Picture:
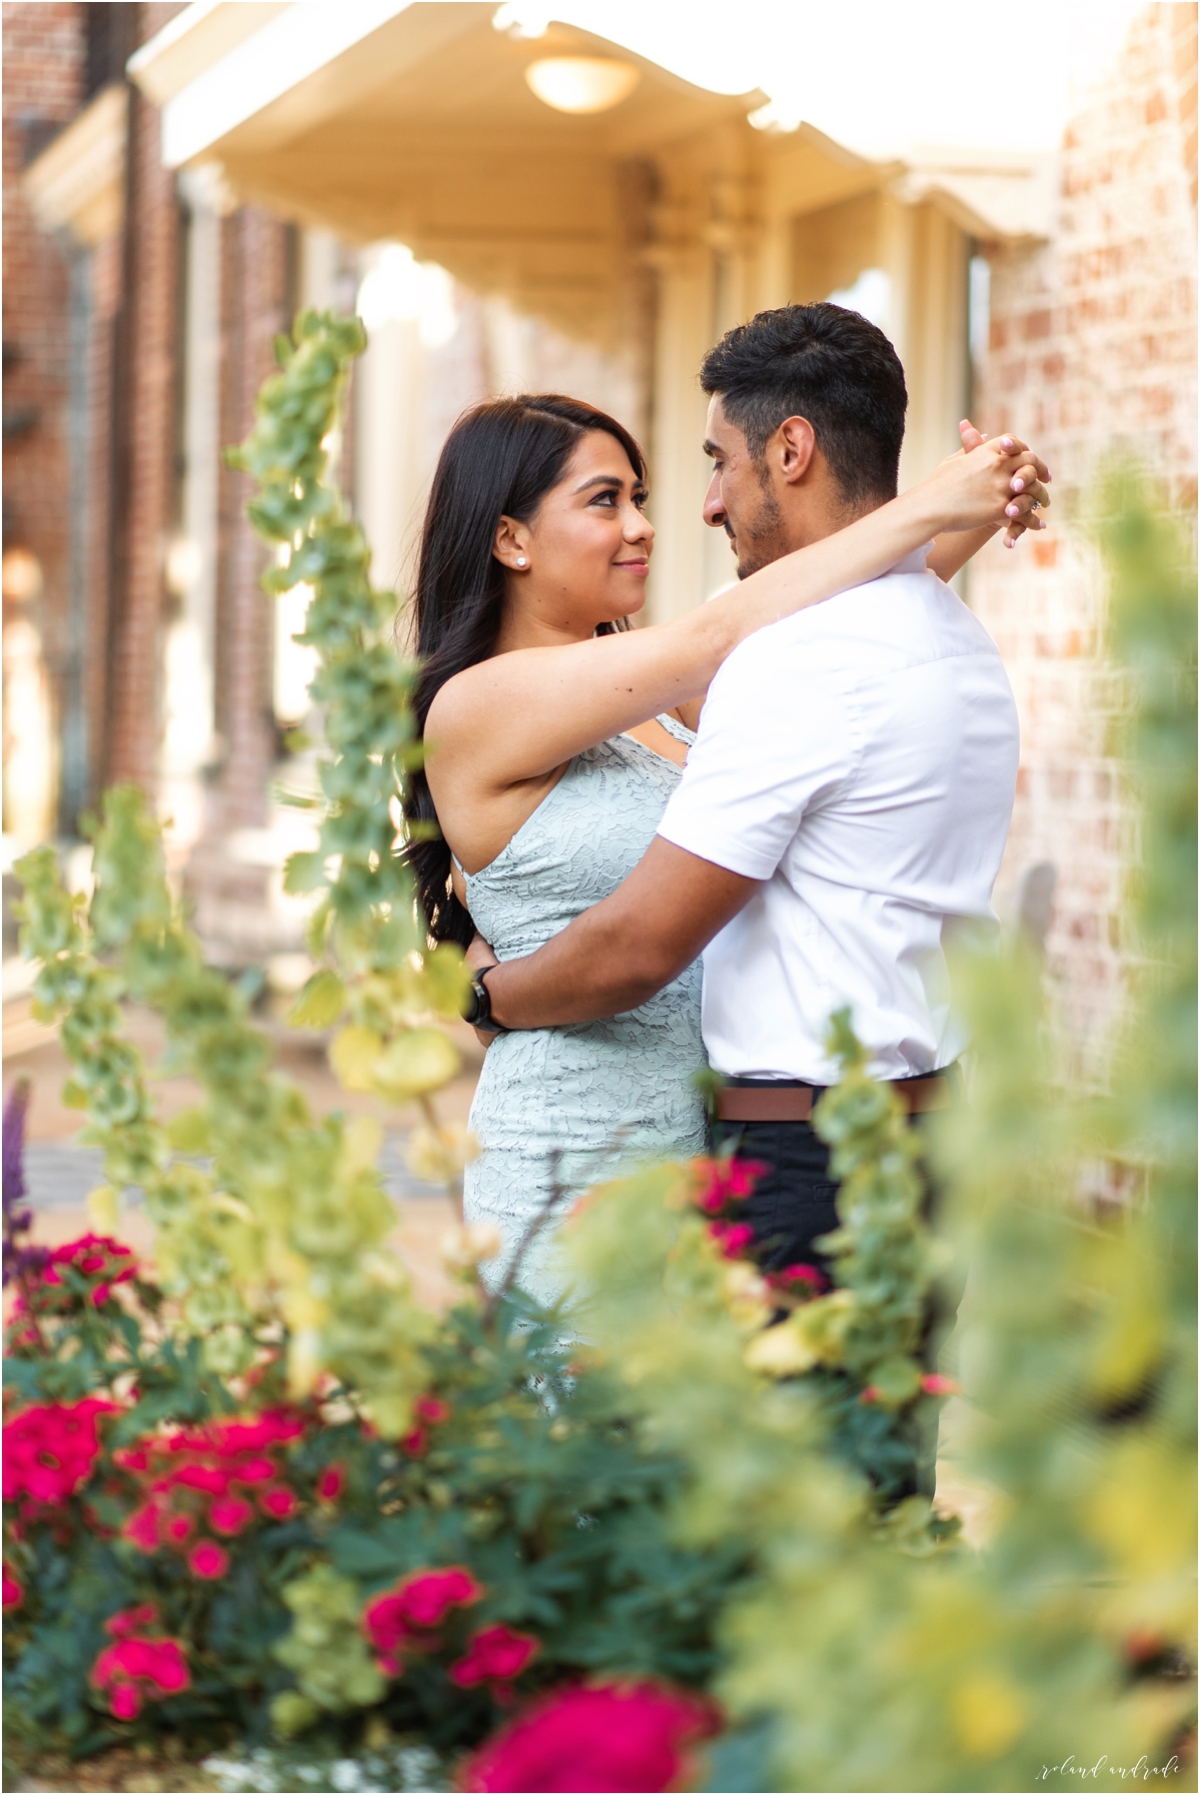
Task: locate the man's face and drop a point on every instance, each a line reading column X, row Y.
column 741, row 499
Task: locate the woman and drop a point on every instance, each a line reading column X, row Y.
column 555, row 736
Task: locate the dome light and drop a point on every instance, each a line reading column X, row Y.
column 582, row 83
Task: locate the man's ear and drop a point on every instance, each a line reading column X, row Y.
column 795, row 444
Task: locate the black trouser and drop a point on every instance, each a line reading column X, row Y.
column 795, row 1202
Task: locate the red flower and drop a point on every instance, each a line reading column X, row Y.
column 331, row 1482
column 51, row 1448
column 280, row 1503
column 143, row 1529
column 125, row 1702
column 431, row 1409
column 791, row 1276
column 14, row 1593
column 131, row 1620
column 136, row 1669
column 417, row 1604
column 210, row 1480
column 208, row 1560
column 731, row 1238
column 937, row 1385
column 256, row 1470
column 869, row 1394
column 180, row 1528
column 494, row 1654
column 723, row 1181
column 229, row 1514
column 613, row 1738
column 415, row 1443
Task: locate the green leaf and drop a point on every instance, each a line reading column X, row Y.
column 320, row 1002
column 304, row 872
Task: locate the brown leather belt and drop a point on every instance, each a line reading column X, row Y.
column 794, row 1103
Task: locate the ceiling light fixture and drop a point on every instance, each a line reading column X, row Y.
column 582, row 83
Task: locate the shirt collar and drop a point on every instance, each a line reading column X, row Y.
column 914, row 562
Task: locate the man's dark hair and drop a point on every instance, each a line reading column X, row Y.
column 826, row 364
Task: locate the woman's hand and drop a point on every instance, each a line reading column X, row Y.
column 953, row 549
column 989, row 484
column 1020, row 519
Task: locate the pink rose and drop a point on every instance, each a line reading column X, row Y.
column 494, row 1654
column 208, row 1560
column 143, row 1528
column 416, row 1605
column 731, row 1238
column 131, row 1620
column 229, row 1514
column 331, row 1482
column 792, row 1275
column 125, row 1701
column 280, row 1503
column 613, row 1738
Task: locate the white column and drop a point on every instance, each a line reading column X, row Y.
column 407, row 307
column 192, row 557
column 679, row 469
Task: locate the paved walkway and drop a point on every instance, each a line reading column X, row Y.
column 60, row 1171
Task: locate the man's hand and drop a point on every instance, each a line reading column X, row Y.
column 620, row 952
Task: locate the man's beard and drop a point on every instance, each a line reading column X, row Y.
column 761, row 539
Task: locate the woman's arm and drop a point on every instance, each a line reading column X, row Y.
column 519, row 715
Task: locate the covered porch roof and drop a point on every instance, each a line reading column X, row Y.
column 416, row 122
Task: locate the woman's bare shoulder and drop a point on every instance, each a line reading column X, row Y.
column 456, row 705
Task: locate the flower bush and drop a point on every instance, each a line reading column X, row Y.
column 255, row 1493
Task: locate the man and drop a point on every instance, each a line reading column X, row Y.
column 844, row 810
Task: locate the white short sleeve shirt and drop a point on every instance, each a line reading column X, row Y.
column 860, row 759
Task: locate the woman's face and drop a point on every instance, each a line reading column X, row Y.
column 587, row 548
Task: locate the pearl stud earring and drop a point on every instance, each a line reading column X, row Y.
column 520, row 560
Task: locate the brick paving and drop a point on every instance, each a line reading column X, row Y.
column 61, row 1171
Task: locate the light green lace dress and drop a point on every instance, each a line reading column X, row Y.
column 574, row 1106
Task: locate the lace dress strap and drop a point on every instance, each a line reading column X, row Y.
column 679, row 730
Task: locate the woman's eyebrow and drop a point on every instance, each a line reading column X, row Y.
column 601, row 480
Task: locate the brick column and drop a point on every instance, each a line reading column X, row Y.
column 144, row 432
column 1093, row 350
column 257, row 276
column 43, row 81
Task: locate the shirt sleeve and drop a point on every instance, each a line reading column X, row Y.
column 775, row 740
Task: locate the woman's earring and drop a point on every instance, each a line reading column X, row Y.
column 520, row 560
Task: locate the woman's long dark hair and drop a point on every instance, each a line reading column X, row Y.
column 500, row 460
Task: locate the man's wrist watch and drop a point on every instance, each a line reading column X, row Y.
column 479, row 1010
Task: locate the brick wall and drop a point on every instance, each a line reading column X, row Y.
column 1093, row 350
column 43, row 74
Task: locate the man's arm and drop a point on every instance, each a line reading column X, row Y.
column 623, row 950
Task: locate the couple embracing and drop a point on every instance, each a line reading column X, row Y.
column 690, row 844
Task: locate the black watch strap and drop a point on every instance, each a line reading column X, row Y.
column 480, row 1013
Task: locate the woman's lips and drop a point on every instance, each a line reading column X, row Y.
column 633, row 566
